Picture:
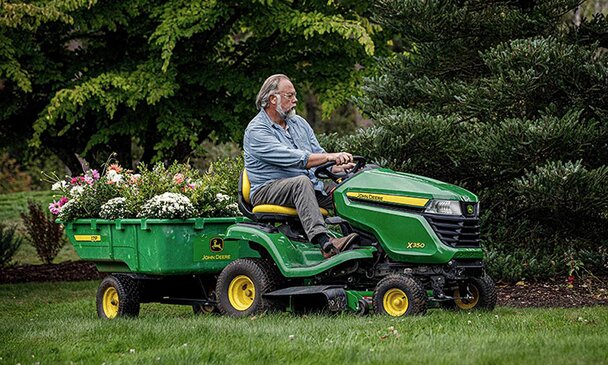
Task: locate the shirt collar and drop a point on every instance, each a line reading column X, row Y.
column 268, row 120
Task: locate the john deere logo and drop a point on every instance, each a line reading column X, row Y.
column 470, row 209
column 216, row 245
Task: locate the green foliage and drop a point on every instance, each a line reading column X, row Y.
column 94, row 76
column 9, row 243
column 508, row 100
column 46, row 236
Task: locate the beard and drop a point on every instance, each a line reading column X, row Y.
column 284, row 114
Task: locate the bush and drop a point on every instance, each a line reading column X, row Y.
column 9, row 244
column 47, row 236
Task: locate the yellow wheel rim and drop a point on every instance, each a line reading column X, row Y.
column 110, row 302
column 241, row 293
column 467, row 303
column 395, row 302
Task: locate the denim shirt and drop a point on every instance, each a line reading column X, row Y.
column 273, row 153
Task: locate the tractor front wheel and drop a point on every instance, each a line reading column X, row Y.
column 399, row 295
column 242, row 284
column 475, row 293
column 117, row 296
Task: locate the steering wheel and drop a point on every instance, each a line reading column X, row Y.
column 324, row 171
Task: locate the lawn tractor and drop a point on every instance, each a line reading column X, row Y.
column 418, row 245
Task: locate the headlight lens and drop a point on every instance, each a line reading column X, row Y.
column 450, row 207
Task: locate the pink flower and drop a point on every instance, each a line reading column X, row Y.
column 55, row 207
column 178, row 178
column 89, row 179
column 74, row 181
column 114, row 167
column 95, row 174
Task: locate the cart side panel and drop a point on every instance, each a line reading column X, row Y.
column 158, row 246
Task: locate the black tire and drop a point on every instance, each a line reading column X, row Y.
column 399, row 295
column 242, row 284
column 202, row 310
column 484, row 295
column 118, row 297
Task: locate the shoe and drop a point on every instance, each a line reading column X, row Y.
column 340, row 244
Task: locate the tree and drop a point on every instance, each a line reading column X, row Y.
column 91, row 77
column 507, row 99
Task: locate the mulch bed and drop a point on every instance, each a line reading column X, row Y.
column 582, row 293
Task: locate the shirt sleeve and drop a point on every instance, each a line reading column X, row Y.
column 265, row 146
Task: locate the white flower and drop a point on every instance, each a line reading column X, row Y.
column 221, row 197
column 59, row 185
column 76, row 191
column 114, row 176
column 167, row 206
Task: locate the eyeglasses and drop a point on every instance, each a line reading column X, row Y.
column 290, row 96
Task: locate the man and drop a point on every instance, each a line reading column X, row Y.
column 281, row 151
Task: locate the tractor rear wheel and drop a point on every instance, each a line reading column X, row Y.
column 399, row 295
column 242, row 284
column 483, row 293
column 118, row 296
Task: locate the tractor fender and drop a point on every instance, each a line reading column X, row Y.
column 289, row 259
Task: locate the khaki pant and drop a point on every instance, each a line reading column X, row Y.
column 297, row 192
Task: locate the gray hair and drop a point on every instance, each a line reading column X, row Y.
column 269, row 88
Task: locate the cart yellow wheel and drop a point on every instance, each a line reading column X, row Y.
column 110, row 302
column 241, row 292
column 242, row 284
column 399, row 295
column 118, row 296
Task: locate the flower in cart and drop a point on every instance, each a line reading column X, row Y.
column 113, row 177
column 167, row 206
column 76, row 191
column 55, row 206
column 60, row 185
column 113, row 209
column 78, row 180
column 134, row 179
column 91, row 176
column 178, row 178
column 221, row 197
column 115, row 167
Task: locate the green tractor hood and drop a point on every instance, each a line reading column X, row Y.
column 386, row 181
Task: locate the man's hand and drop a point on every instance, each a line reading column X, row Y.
column 318, row 159
column 340, row 158
column 336, row 169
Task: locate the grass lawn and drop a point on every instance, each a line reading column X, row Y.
column 56, row 323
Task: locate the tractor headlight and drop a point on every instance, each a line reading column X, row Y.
column 450, row 207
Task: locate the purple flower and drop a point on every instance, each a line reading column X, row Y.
column 95, row 174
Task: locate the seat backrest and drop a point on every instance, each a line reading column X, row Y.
column 244, row 201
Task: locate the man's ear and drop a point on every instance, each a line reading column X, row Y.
column 272, row 99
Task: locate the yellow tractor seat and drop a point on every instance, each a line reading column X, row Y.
column 265, row 211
